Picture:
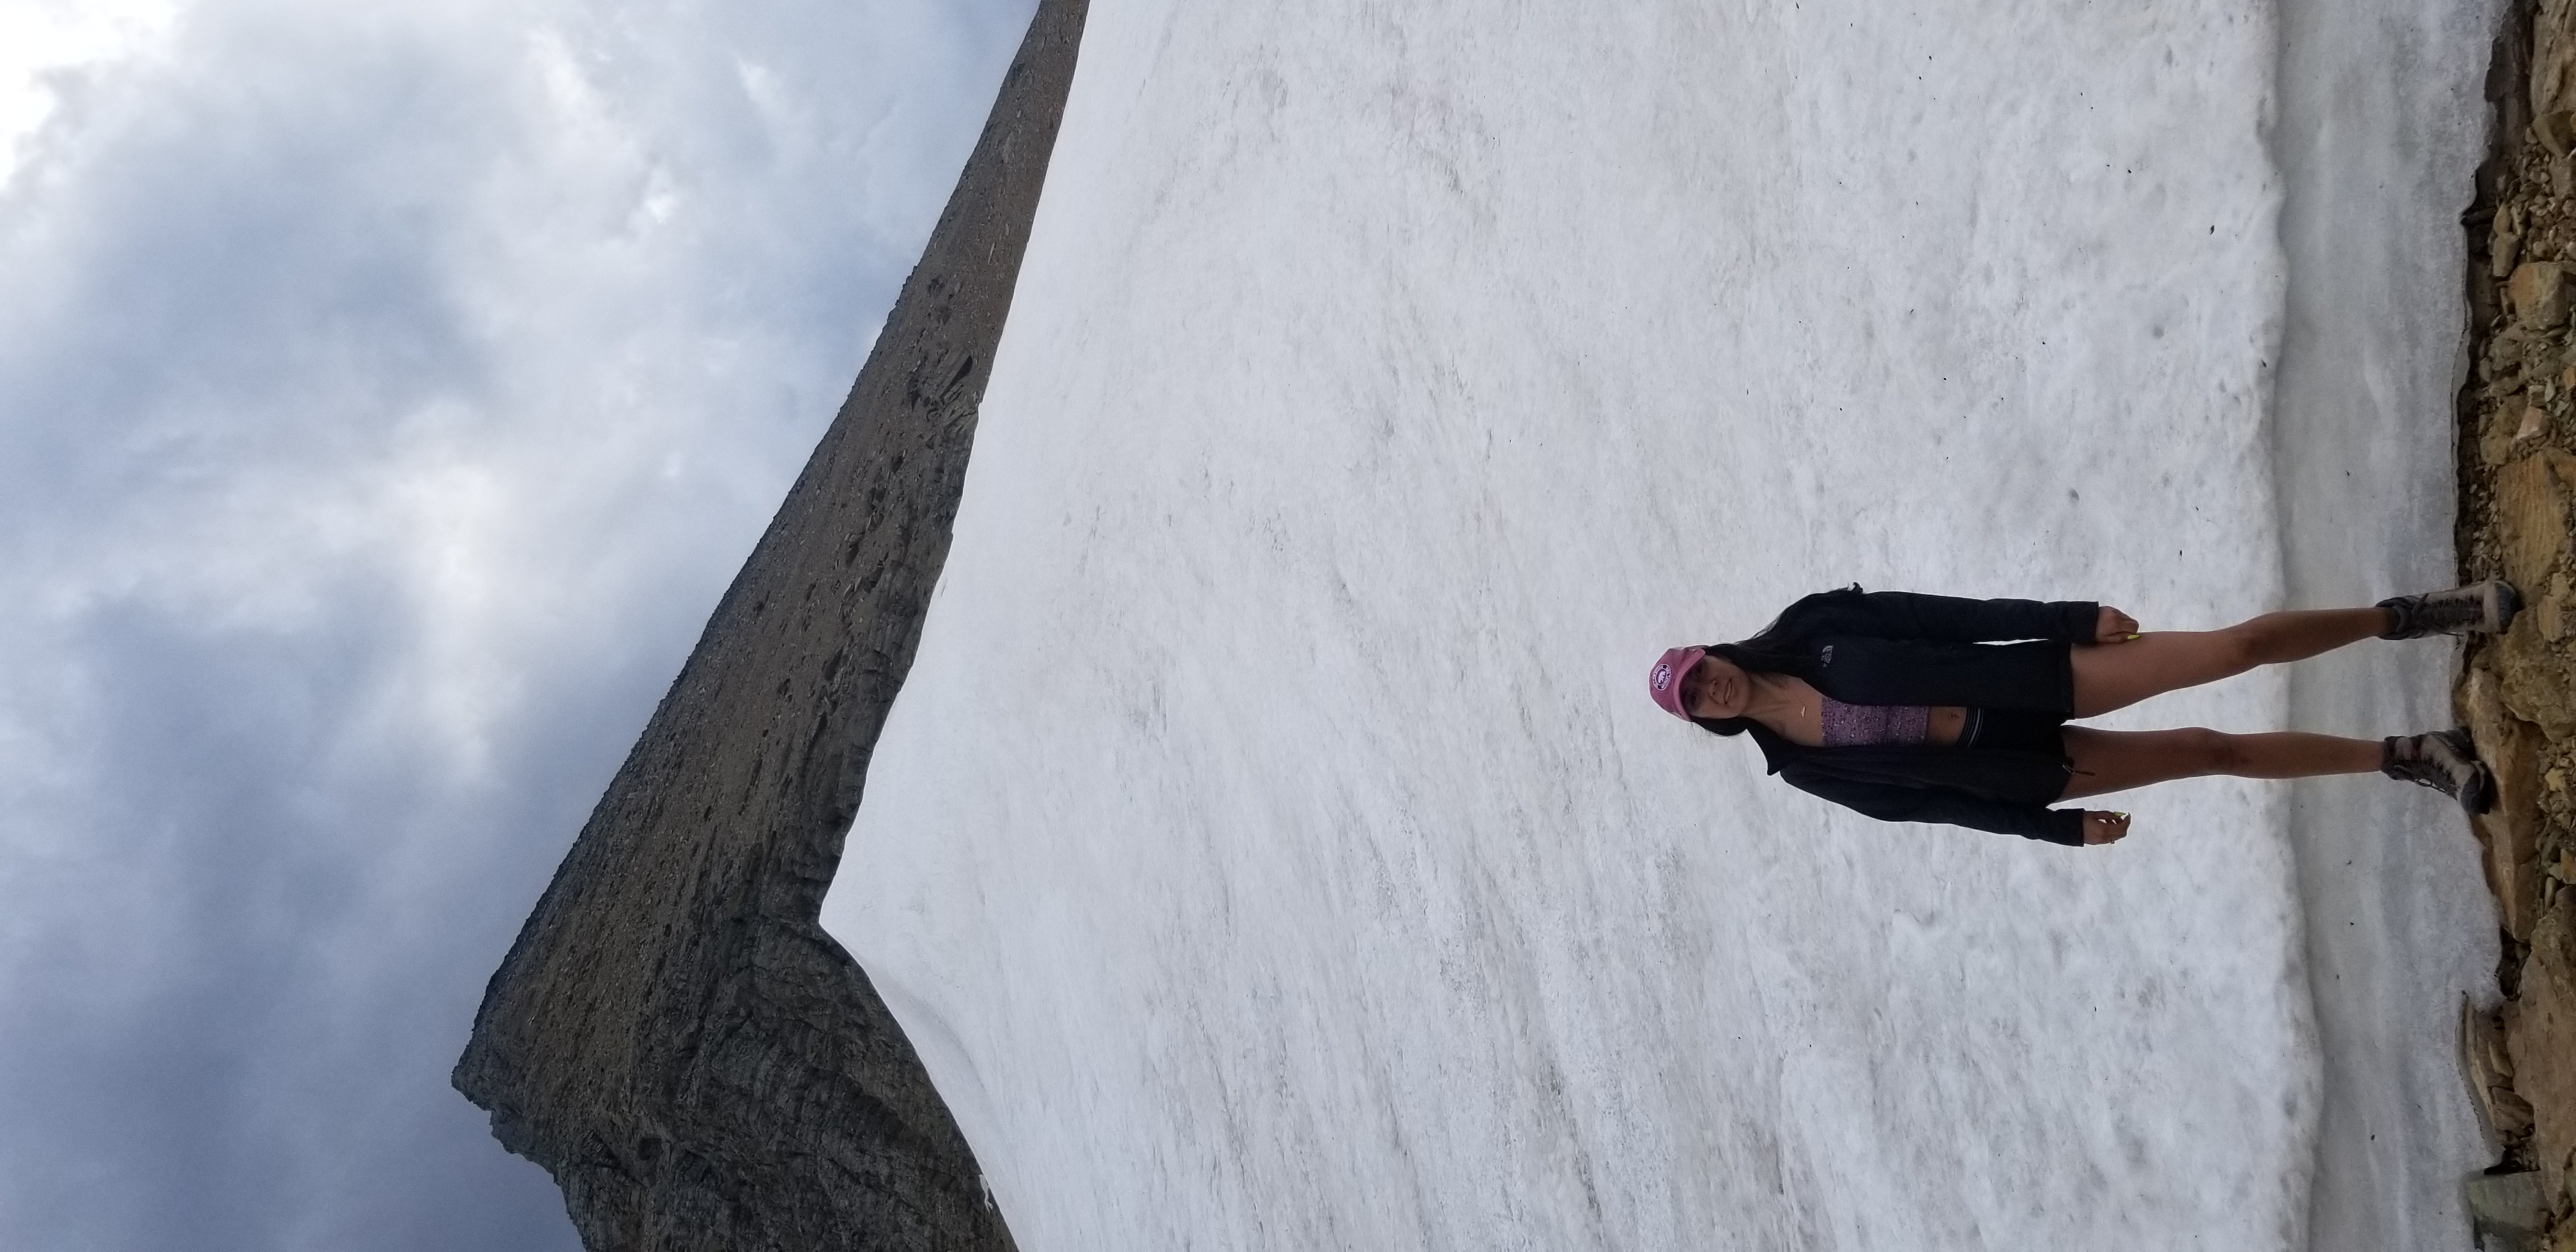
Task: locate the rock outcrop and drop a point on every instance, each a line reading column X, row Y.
column 2517, row 484
column 673, row 1036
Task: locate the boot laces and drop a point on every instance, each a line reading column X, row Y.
column 2454, row 608
column 2418, row 760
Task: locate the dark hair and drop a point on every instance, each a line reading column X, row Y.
column 1774, row 649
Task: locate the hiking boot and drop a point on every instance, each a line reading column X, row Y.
column 2485, row 608
column 2443, row 760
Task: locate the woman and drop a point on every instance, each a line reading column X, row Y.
column 1905, row 707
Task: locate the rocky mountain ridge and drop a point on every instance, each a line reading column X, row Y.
column 673, row 1036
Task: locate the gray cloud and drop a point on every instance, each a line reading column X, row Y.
column 385, row 397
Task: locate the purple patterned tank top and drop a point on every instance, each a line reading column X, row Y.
column 1862, row 725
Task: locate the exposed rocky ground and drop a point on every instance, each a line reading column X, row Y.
column 673, row 1036
column 2518, row 694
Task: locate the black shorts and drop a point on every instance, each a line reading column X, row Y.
column 2015, row 730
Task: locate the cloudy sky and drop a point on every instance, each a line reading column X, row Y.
column 387, row 391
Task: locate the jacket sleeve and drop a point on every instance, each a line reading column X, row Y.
column 1912, row 615
column 1939, row 805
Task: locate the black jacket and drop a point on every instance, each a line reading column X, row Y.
column 1896, row 647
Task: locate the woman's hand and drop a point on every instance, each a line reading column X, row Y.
column 2105, row 827
column 2114, row 626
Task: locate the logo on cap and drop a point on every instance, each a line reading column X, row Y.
column 1663, row 675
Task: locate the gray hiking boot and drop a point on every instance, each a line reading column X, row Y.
column 2443, row 760
column 2485, row 608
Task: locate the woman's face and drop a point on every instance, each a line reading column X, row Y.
column 1717, row 687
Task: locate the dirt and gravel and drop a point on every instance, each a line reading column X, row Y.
column 2517, row 466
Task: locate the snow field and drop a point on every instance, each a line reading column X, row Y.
column 1273, row 846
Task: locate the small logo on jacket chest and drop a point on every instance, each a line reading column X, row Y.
column 1827, row 656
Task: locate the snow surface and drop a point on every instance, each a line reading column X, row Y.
column 1273, row 846
column 2380, row 129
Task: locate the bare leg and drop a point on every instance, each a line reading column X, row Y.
column 2117, row 760
column 2116, row 675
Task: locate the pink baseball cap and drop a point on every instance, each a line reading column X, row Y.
column 1664, row 682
